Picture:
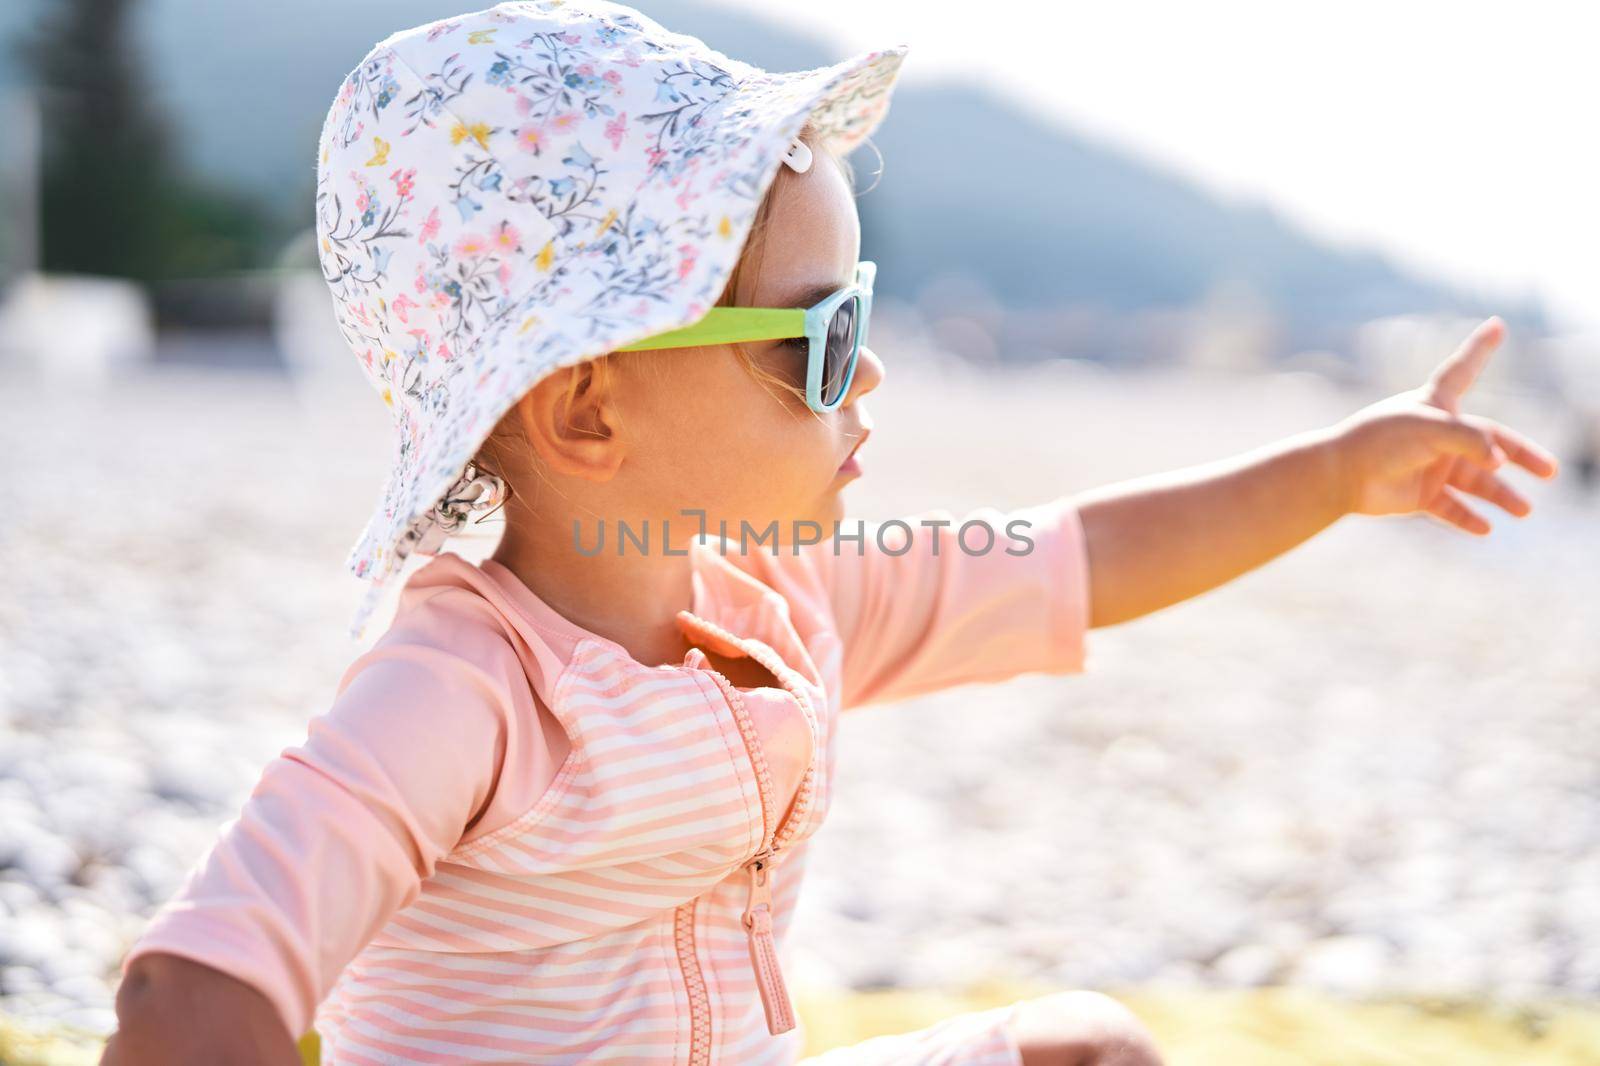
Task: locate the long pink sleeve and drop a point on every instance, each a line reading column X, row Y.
column 936, row 616
column 339, row 832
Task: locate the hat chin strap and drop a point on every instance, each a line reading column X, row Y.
column 471, row 492
column 798, row 157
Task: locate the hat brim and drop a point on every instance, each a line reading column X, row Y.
column 846, row 101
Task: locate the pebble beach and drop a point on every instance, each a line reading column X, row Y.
column 1370, row 766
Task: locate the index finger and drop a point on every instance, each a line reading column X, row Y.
column 1456, row 374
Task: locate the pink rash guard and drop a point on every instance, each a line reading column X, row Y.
column 507, row 840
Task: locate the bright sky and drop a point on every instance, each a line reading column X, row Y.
column 1463, row 139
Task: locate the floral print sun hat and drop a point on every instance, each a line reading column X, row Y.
column 513, row 190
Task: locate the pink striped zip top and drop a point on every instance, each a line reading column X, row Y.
column 506, row 840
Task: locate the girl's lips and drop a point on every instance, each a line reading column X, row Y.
column 851, row 464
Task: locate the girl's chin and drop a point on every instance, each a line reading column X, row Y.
column 833, row 506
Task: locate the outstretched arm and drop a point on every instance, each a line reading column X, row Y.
column 1157, row 540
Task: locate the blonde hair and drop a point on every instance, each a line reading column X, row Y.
column 508, row 432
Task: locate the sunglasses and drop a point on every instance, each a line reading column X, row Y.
column 835, row 328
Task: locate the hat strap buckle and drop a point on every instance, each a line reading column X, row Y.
column 472, row 491
column 798, row 157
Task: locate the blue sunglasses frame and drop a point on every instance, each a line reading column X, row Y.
column 728, row 325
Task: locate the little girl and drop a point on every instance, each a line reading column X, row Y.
column 609, row 279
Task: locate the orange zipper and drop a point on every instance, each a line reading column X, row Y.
column 695, row 982
column 758, row 909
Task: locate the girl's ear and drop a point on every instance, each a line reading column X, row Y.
column 570, row 421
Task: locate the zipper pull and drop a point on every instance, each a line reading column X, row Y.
column 764, row 949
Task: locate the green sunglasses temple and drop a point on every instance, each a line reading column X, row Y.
column 730, row 325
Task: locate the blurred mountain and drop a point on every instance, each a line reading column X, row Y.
column 1044, row 215
column 970, row 183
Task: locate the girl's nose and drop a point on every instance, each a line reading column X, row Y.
column 869, row 375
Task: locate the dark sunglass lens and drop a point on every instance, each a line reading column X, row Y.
column 841, row 343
